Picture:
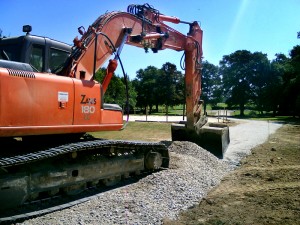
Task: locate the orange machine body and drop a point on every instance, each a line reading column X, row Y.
column 40, row 103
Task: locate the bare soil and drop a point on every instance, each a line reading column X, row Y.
column 265, row 189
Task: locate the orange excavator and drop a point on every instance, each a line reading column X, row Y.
column 50, row 99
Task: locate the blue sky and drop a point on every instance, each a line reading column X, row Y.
column 267, row 26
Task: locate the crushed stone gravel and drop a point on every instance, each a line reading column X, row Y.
column 192, row 174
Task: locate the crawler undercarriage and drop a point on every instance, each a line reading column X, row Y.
column 70, row 168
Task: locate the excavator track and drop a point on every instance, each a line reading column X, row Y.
column 59, row 202
column 70, row 168
column 76, row 147
column 25, row 213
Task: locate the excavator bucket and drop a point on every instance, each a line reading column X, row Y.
column 214, row 137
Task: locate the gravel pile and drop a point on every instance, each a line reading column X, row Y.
column 193, row 172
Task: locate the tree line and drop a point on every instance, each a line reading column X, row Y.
column 242, row 79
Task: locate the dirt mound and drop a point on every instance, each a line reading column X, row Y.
column 265, row 189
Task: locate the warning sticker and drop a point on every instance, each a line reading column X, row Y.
column 63, row 96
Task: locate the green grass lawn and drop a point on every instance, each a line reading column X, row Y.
column 143, row 131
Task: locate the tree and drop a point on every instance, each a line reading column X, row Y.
column 163, row 86
column 170, row 85
column 283, row 93
column 272, row 96
column 145, row 84
column 180, row 88
column 245, row 74
column 211, row 84
column 291, row 80
column 260, row 78
column 132, row 94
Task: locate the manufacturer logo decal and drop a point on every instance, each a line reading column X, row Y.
column 88, row 106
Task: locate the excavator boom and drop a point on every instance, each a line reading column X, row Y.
column 143, row 27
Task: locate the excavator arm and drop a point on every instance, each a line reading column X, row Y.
column 143, row 27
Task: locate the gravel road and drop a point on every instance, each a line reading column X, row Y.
column 193, row 172
column 245, row 136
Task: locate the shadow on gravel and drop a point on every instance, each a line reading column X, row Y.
column 47, row 205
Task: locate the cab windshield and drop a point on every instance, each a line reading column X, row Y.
column 10, row 50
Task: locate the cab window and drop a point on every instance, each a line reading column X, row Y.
column 57, row 60
column 36, row 58
column 10, row 52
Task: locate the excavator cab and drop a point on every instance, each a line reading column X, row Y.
column 33, row 53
